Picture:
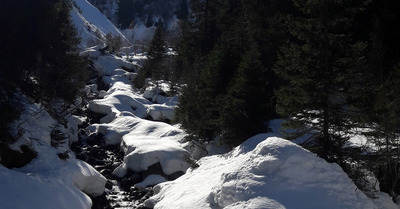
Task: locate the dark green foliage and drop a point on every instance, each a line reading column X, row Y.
column 231, row 92
column 114, row 43
column 39, row 59
column 155, row 66
column 57, row 138
column 381, row 106
column 147, row 11
column 248, row 104
column 125, row 13
column 15, row 159
column 183, row 10
column 320, row 66
column 44, row 64
column 9, row 111
column 335, row 68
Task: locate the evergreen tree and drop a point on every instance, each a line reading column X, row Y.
column 234, row 83
column 245, row 109
column 381, row 106
column 154, row 66
column 125, row 13
column 183, row 10
column 320, row 66
column 60, row 69
column 114, row 43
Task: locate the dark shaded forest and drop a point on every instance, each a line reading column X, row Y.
column 329, row 68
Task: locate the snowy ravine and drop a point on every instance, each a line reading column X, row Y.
column 130, row 152
column 264, row 172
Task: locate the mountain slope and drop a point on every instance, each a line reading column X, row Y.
column 91, row 24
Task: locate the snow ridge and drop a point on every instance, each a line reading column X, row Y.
column 263, row 172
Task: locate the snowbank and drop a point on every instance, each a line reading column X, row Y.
column 48, row 182
column 145, row 143
column 19, row 190
column 120, row 100
column 110, row 64
column 141, row 154
column 150, row 181
column 263, row 172
column 47, row 165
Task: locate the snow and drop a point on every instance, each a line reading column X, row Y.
column 140, row 33
column 35, row 122
column 141, row 154
column 263, row 172
column 144, row 142
column 48, row 182
column 120, row 100
column 88, row 20
column 150, row 181
column 111, row 64
column 20, row 190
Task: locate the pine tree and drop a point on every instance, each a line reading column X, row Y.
column 154, row 66
column 125, row 13
column 245, row 109
column 60, row 69
column 320, row 66
column 234, row 84
column 382, row 106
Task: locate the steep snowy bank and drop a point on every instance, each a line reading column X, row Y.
column 48, row 181
column 263, row 172
column 91, row 24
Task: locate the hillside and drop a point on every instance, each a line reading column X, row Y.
column 91, row 24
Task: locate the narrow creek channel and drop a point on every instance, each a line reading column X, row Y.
column 120, row 193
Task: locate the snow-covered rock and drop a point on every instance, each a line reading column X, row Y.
column 48, row 182
column 19, row 190
column 120, row 100
column 111, row 64
column 140, row 154
column 151, row 180
column 161, row 112
column 263, row 172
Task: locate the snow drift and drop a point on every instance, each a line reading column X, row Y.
column 263, row 172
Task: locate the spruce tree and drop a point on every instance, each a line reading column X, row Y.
column 382, row 106
column 125, row 13
column 235, row 83
column 154, row 67
column 320, row 66
column 60, row 69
